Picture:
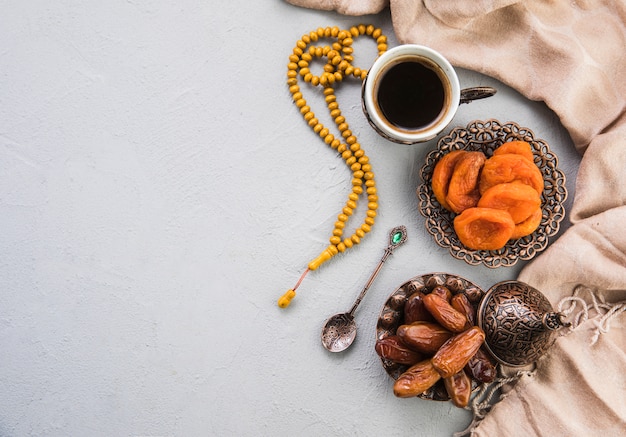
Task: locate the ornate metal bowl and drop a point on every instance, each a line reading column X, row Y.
column 486, row 136
column 392, row 316
column 518, row 321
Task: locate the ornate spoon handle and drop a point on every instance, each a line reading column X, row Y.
column 397, row 237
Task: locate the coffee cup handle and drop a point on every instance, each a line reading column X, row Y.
column 476, row 93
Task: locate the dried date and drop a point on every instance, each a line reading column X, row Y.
column 425, row 337
column 416, row 380
column 459, row 388
column 461, row 303
column 414, row 309
column 392, row 348
column 444, row 313
column 481, row 366
column 455, row 353
column 442, row 292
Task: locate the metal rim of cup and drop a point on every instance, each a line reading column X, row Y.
column 369, row 107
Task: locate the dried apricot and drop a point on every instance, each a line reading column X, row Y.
column 442, row 174
column 484, row 228
column 529, row 225
column 508, row 167
column 518, row 199
column 521, row 148
column 463, row 190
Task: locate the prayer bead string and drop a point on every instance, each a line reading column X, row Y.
column 339, row 57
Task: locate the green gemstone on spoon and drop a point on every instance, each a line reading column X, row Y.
column 397, row 237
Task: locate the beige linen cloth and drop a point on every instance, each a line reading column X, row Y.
column 571, row 54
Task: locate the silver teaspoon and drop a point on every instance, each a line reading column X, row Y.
column 339, row 331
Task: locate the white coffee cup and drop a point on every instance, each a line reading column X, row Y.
column 411, row 93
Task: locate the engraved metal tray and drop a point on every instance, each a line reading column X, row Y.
column 392, row 315
column 486, row 136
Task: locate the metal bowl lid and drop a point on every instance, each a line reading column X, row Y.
column 518, row 321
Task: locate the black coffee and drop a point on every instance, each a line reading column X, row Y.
column 410, row 95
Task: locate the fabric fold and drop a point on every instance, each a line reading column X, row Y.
column 457, row 13
column 570, row 395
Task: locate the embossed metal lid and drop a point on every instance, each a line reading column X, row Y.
column 518, row 321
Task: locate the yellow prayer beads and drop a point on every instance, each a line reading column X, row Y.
column 338, row 66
